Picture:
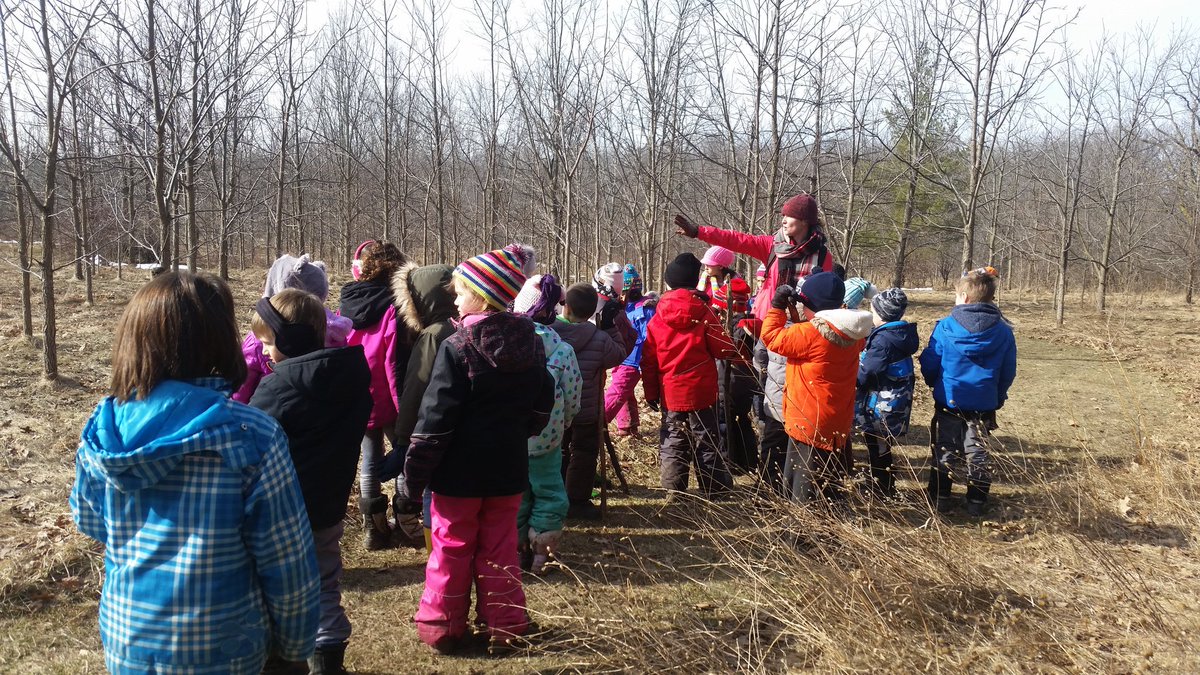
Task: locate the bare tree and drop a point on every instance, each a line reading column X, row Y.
column 57, row 37
column 998, row 51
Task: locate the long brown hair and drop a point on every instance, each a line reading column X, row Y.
column 179, row 326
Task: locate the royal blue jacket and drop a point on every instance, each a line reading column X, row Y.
column 639, row 314
column 208, row 553
column 971, row 359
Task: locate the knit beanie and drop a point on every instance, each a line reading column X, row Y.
column 630, row 280
column 683, row 271
column 802, row 207
column 857, row 290
column 540, row 293
column 302, row 273
column 822, row 291
column 607, row 280
column 761, row 272
column 497, row 276
column 890, row 304
column 717, row 256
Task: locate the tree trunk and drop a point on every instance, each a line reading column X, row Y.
column 910, row 200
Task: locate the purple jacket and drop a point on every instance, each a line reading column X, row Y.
column 337, row 329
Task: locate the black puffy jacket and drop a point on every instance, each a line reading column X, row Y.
column 488, row 394
column 322, row 400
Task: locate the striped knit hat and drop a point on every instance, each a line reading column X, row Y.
column 497, row 276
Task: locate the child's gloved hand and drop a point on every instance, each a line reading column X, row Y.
column 783, row 297
column 684, row 227
column 608, row 315
column 391, row 466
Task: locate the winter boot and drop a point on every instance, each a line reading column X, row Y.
column 327, row 660
column 939, row 490
column 378, row 531
column 277, row 666
column 583, row 509
column 408, row 519
column 976, row 499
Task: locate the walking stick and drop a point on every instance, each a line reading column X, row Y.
column 616, row 462
column 603, row 431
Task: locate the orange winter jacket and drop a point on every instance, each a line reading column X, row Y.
column 822, row 368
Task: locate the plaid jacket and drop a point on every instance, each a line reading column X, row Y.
column 208, row 557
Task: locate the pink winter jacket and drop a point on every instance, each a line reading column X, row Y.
column 756, row 246
column 379, row 343
column 337, row 328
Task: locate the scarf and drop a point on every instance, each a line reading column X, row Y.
column 796, row 261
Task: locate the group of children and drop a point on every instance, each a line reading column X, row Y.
column 488, row 382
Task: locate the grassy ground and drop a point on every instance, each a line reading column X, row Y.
column 1086, row 562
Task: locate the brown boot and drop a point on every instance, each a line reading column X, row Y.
column 375, row 524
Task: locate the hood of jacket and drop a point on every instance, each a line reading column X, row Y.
column 578, row 335
column 898, row 339
column 327, row 374
column 550, row 338
column 505, row 341
column 365, row 302
column 683, row 309
column 136, row 443
column 423, row 296
column 973, row 329
column 843, row 327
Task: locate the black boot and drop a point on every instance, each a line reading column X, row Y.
column 327, row 660
column 939, row 489
column 277, row 666
column 583, row 509
column 976, row 499
column 378, row 532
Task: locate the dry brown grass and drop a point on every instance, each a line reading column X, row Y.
column 1086, row 563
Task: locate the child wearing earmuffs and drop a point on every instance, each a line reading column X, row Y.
column 370, row 304
column 321, row 399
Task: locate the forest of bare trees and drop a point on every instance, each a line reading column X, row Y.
column 937, row 134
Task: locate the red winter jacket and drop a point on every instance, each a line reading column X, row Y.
column 683, row 341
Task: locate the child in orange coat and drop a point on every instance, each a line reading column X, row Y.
column 822, row 350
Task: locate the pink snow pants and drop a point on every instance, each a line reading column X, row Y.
column 474, row 540
column 620, row 401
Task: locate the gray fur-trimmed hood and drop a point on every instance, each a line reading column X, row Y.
column 423, row 295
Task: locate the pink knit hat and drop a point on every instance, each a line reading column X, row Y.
column 718, row 256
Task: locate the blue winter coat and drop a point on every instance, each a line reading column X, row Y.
column 971, row 359
column 639, row 314
column 883, row 399
column 208, row 553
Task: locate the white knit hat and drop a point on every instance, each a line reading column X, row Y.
column 529, row 295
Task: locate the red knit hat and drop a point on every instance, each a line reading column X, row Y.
column 802, row 207
column 740, row 293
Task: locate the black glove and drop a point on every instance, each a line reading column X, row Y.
column 783, row 297
column 653, row 405
column 608, row 315
column 684, row 227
